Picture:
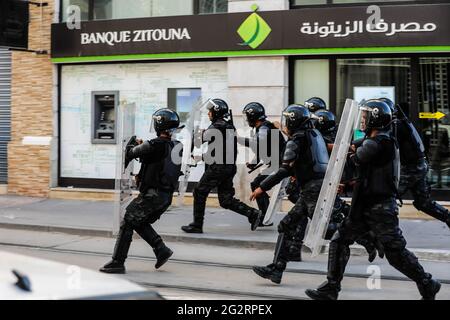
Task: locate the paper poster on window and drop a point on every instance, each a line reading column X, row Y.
column 366, row 93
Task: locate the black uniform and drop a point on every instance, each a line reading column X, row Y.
column 306, row 158
column 220, row 174
column 374, row 208
column 414, row 171
column 340, row 211
column 158, row 178
column 263, row 142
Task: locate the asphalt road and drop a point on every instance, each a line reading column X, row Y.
column 199, row 271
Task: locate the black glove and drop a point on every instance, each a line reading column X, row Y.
column 130, row 145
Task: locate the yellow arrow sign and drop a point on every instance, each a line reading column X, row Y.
column 428, row 115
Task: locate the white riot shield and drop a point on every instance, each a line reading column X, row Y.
column 125, row 183
column 279, row 192
column 325, row 204
column 190, row 136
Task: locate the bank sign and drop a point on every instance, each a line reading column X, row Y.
column 299, row 31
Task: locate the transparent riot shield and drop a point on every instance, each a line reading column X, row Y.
column 193, row 149
column 124, row 182
column 279, row 192
column 319, row 223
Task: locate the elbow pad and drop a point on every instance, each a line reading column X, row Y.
column 139, row 150
column 366, row 152
column 290, row 152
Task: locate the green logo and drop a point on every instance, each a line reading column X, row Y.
column 254, row 30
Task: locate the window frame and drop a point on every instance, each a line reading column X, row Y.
column 195, row 5
column 359, row 4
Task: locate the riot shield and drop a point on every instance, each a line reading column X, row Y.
column 124, row 182
column 325, row 203
column 279, row 192
column 191, row 137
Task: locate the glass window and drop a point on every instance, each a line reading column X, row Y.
column 367, row 1
column 319, row 2
column 121, row 9
column 307, row 2
column 139, row 9
column 212, row 6
column 434, row 89
column 82, row 4
column 182, row 100
column 102, row 9
column 373, row 78
column 172, row 8
column 363, row 79
column 311, row 80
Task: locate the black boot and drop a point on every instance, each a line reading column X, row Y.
column 255, row 218
column 326, row 291
column 428, row 288
column 338, row 255
column 448, row 222
column 273, row 272
column 192, row 228
column 162, row 253
column 114, row 266
column 123, row 242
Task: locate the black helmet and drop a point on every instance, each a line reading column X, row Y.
column 165, row 120
column 326, row 120
column 253, row 112
column 295, row 117
column 219, row 109
column 314, row 104
column 391, row 105
column 379, row 115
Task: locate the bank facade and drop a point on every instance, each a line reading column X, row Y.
column 276, row 52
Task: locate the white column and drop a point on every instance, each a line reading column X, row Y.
column 259, row 79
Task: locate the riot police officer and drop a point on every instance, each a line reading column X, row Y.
column 326, row 124
column 374, row 207
column 157, row 178
column 315, row 104
column 415, row 166
column 255, row 115
column 306, row 158
column 220, row 170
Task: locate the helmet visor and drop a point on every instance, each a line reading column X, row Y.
column 362, row 123
column 284, row 122
column 211, row 105
column 152, row 125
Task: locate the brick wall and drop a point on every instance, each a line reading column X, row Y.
column 31, row 109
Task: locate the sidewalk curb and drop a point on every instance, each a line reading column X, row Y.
column 356, row 250
column 68, row 230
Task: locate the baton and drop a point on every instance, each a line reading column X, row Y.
column 256, row 168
